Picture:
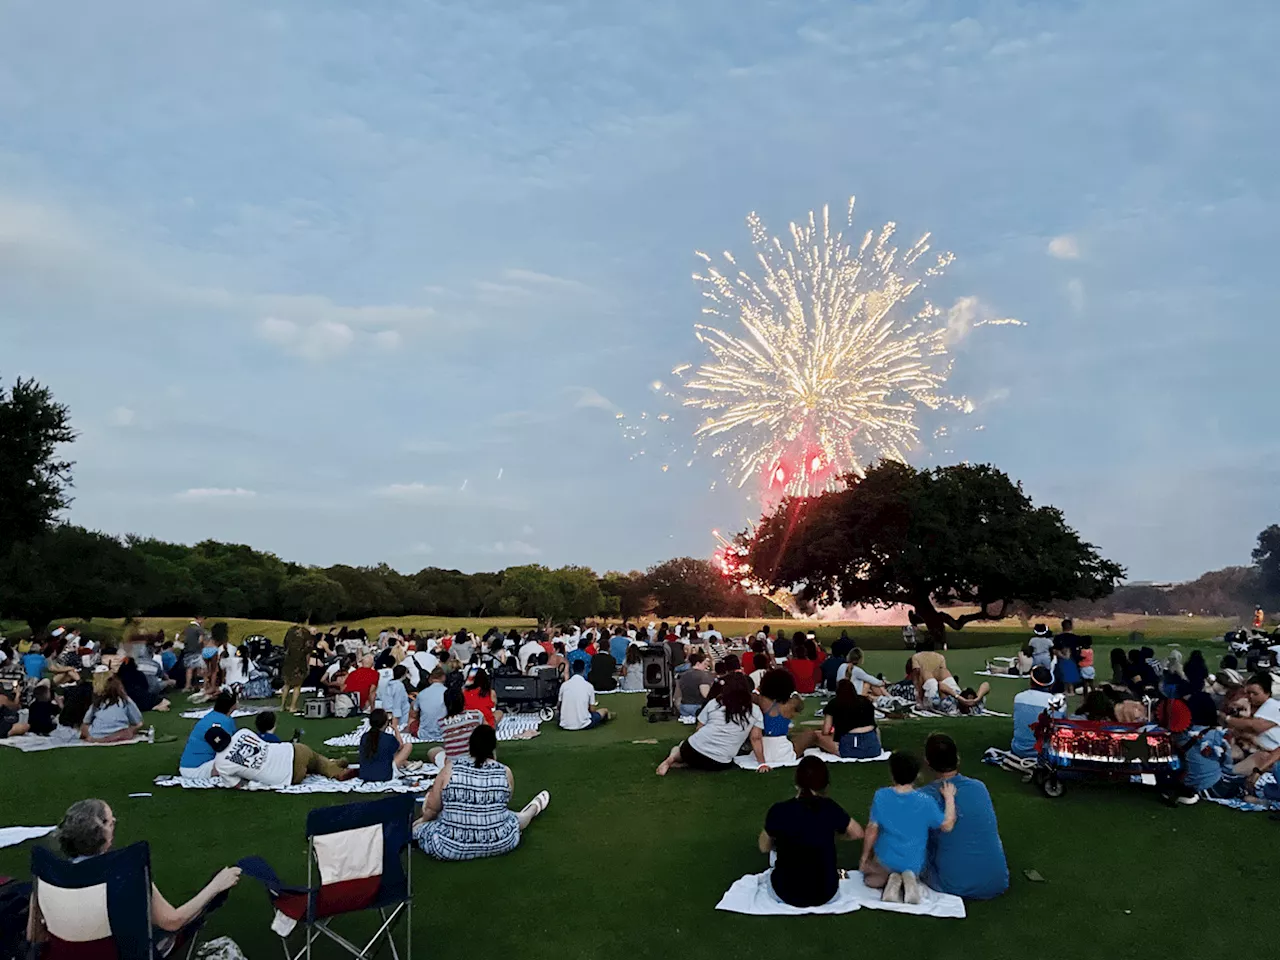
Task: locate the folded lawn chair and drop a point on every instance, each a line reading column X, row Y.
column 361, row 851
column 101, row 908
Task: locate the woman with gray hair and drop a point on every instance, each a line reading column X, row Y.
column 88, row 829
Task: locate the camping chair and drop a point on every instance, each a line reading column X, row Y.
column 101, row 907
column 361, row 851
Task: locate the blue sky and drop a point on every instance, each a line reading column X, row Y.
column 363, row 282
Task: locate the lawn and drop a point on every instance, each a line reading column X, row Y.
column 625, row 864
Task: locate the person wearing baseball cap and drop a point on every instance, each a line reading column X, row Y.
column 1027, row 708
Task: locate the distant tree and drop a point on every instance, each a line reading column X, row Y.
column 69, row 571
column 630, row 589
column 311, row 597
column 33, row 481
column 1266, row 557
column 687, row 586
column 570, row 593
column 928, row 539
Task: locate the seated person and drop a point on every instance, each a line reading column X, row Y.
column 600, row 674
column 969, row 861
column 864, row 683
column 34, row 662
column 428, row 708
column 896, row 843
column 973, row 702
column 577, row 700
column 10, row 725
column 632, row 671
column 802, row 834
column 1027, row 708
column 265, row 724
column 466, row 814
column 1261, row 731
column 779, row 706
column 393, row 695
column 138, row 688
column 578, row 655
column 1207, row 765
column 724, row 725
column 933, row 681
column 694, row 685
column 243, row 757
column 382, row 753
column 87, row 830
column 333, row 678
column 362, row 682
column 42, row 716
column 113, row 716
column 456, row 727
column 196, row 762
column 478, row 694
column 803, row 665
column 849, row 725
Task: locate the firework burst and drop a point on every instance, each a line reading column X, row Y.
column 831, row 368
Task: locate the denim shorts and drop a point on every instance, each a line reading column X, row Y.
column 690, row 709
column 860, row 746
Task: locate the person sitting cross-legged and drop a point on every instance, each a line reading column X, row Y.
column 87, row 830
column 577, row 700
column 896, row 844
column 969, row 861
column 113, row 716
column 466, row 814
column 382, row 753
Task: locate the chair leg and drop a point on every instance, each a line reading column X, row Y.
column 391, row 937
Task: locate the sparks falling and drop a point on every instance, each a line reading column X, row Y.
column 832, row 368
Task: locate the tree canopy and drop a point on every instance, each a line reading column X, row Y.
column 33, row 481
column 1266, row 556
column 962, row 535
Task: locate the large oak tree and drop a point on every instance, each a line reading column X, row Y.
column 929, row 539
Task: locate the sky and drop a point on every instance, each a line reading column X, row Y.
column 369, row 282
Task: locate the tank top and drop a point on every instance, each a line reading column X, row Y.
column 775, row 724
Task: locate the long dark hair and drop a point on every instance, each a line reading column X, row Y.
column 483, row 744
column 480, row 683
column 454, row 703
column 812, row 778
column 845, row 694
column 377, row 723
column 735, row 697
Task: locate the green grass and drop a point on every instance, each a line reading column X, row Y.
column 625, row 864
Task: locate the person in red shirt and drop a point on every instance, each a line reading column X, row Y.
column 803, row 666
column 362, row 682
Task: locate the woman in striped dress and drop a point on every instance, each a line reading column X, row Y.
column 466, row 814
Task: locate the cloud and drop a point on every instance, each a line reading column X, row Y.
column 1064, row 247
column 513, row 548
column 122, row 417
column 426, row 446
column 388, row 340
column 420, row 549
column 1075, row 295
column 588, row 397
column 216, row 493
column 970, row 312
column 316, row 342
column 420, row 494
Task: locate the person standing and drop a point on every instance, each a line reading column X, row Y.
column 194, row 639
column 293, row 671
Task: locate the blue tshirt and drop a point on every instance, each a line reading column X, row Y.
column 197, row 753
column 1027, row 707
column 618, row 648
column 34, row 664
column 905, row 820
column 379, row 766
column 1207, row 754
column 167, row 660
column 969, row 861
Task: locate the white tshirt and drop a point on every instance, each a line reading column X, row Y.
column 577, row 697
column 711, row 635
column 719, row 739
column 249, row 757
column 861, row 679
column 527, row 652
column 1269, row 739
column 419, row 665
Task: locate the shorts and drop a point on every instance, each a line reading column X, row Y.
column 947, row 685
column 193, row 661
column 697, row 761
column 690, row 709
column 778, row 750
column 1267, row 787
column 860, row 746
column 202, row 772
column 596, row 720
column 1087, row 673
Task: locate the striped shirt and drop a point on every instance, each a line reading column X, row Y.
column 457, row 732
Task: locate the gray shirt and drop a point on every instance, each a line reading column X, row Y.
column 112, row 718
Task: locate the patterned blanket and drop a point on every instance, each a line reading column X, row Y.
column 418, row 783
column 520, row 726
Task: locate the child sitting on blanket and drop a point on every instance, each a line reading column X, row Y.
column 897, row 837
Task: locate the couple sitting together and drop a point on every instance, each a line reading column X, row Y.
column 943, row 834
column 738, row 717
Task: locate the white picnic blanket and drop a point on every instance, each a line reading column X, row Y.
column 749, row 762
column 1000, row 676
column 237, row 712
column 31, row 743
column 314, row 783
column 925, row 712
column 12, row 836
column 754, row 895
column 605, row 693
column 520, row 726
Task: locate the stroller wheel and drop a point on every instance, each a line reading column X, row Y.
column 546, row 714
column 1052, row 787
column 1038, row 776
column 653, row 718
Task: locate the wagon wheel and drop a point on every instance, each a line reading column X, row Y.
column 644, row 711
column 546, row 714
column 1052, row 787
column 653, row 718
column 1039, row 775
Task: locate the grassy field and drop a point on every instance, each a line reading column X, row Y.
column 627, row 865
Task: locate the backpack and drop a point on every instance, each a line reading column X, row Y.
column 345, row 705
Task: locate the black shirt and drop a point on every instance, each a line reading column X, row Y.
column 43, row 717
column 600, row 674
column 846, row 717
column 8, row 717
column 804, row 835
column 840, row 649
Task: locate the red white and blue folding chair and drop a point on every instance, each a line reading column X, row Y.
column 361, row 852
column 100, row 908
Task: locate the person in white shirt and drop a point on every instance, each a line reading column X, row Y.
column 243, row 758
column 711, row 633
column 1263, row 726
column 577, row 697
column 420, row 664
column 528, row 651
column 864, row 683
column 724, row 725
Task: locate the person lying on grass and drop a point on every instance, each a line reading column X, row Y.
column 113, row 716
column 802, row 833
column 243, row 757
column 87, row 830
column 896, row 844
column 466, row 814
column 724, row 725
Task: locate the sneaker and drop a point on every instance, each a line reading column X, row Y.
column 892, row 892
column 910, row 888
column 1188, row 799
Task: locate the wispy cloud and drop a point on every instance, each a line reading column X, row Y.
column 588, row 397
column 1064, row 247
column 316, row 342
column 122, row 417
column 418, row 494
column 513, row 548
column 216, row 493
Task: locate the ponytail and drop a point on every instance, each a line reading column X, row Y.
column 377, row 723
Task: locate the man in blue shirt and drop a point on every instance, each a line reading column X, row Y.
column 197, row 756
column 895, row 845
column 1027, row 707
column 619, row 644
column 969, row 861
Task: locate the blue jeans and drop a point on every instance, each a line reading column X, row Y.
column 690, row 709
column 860, row 746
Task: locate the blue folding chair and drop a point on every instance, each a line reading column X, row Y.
column 361, row 853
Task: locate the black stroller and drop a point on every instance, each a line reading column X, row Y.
column 659, row 683
column 540, row 692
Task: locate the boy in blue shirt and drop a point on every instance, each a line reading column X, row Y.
column 265, row 723
column 897, row 837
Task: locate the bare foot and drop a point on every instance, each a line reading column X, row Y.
column 663, row 767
